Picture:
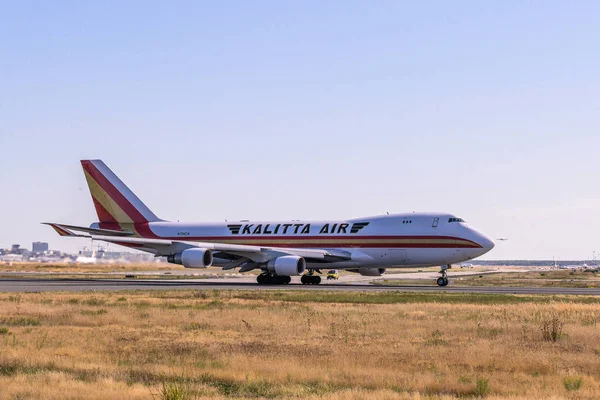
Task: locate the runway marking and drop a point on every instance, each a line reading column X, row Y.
column 79, row 285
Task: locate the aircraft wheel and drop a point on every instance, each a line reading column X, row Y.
column 441, row 281
column 310, row 279
column 267, row 279
column 263, row 279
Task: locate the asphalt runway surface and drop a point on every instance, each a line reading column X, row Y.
column 81, row 285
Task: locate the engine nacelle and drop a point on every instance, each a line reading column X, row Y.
column 364, row 271
column 192, row 258
column 287, row 265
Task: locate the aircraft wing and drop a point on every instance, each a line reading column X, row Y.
column 165, row 247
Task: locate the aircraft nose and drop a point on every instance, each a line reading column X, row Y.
column 483, row 240
column 486, row 243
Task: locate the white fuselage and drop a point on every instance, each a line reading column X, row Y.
column 396, row 241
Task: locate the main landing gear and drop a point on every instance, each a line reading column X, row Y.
column 443, row 280
column 267, row 278
column 310, row 278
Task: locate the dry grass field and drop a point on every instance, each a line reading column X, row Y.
column 114, row 267
column 317, row 345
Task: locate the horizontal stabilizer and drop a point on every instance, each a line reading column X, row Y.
column 61, row 230
column 94, row 231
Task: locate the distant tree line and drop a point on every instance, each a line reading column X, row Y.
column 526, row 263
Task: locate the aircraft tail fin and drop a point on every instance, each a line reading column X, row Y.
column 115, row 203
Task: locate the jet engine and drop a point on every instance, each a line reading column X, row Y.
column 287, row 265
column 192, row 258
column 364, row 271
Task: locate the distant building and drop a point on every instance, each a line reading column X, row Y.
column 39, row 247
column 17, row 249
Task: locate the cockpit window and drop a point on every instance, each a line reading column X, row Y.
column 456, row 220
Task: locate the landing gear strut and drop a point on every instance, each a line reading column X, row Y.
column 268, row 278
column 443, row 280
column 310, row 278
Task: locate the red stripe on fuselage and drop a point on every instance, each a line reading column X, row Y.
column 315, row 237
column 317, row 245
column 144, row 230
column 339, row 241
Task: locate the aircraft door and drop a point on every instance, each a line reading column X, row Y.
column 435, row 223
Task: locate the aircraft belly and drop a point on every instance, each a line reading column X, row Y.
column 403, row 258
column 433, row 257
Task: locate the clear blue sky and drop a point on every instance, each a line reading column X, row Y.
column 311, row 109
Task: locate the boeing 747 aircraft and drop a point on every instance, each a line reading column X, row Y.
column 280, row 249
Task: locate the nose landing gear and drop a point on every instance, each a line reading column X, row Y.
column 443, row 280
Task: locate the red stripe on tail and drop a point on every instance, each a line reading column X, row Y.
column 103, row 214
column 113, row 192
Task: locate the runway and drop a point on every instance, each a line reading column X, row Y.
column 81, row 285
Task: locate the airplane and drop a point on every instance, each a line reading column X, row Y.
column 87, row 259
column 11, row 257
column 279, row 249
